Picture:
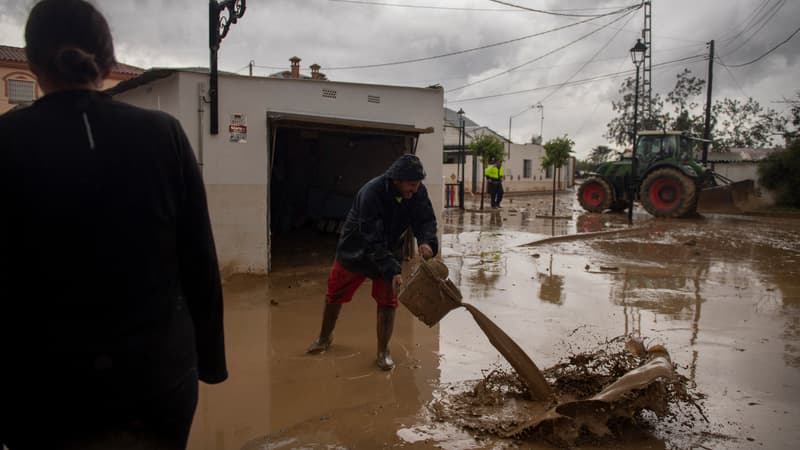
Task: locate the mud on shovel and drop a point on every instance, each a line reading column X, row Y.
column 430, row 295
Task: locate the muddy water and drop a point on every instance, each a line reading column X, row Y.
column 721, row 293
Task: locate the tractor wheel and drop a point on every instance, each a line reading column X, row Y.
column 668, row 193
column 595, row 195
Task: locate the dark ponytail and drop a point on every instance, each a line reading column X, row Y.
column 69, row 40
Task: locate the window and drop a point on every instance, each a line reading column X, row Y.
column 20, row 91
column 452, row 156
column 527, row 167
column 548, row 173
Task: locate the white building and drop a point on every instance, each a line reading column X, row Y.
column 522, row 164
column 290, row 151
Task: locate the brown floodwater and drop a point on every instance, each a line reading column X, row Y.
column 721, row 293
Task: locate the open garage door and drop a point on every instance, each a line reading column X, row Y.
column 317, row 164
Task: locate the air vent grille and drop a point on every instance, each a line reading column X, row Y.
column 373, row 99
column 329, row 93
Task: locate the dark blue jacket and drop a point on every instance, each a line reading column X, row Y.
column 371, row 239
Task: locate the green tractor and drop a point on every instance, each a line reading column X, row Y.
column 670, row 180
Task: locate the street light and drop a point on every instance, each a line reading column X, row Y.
column 462, row 160
column 221, row 15
column 541, row 123
column 637, row 56
column 509, row 125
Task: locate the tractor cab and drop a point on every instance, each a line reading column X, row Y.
column 668, row 147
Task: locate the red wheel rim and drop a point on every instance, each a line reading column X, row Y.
column 592, row 194
column 665, row 193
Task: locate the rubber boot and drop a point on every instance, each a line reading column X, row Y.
column 385, row 328
column 329, row 316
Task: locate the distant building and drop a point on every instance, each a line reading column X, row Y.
column 19, row 83
column 522, row 164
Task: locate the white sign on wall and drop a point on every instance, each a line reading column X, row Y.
column 238, row 128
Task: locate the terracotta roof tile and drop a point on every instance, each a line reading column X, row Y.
column 17, row 54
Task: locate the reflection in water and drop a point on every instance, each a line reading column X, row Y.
column 551, row 287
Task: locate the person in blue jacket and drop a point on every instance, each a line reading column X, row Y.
column 370, row 246
column 110, row 295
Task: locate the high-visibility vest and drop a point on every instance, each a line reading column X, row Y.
column 493, row 172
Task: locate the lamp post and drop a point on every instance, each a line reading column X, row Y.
column 540, row 107
column 462, row 160
column 637, row 56
column 509, row 126
column 218, row 26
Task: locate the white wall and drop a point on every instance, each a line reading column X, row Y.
column 236, row 173
column 513, row 168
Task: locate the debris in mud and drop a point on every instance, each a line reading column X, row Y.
column 618, row 384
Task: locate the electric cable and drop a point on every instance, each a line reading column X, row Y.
column 767, row 52
column 688, row 59
column 763, row 23
column 482, row 47
column 552, row 13
column 603, row 47
column 557, row 49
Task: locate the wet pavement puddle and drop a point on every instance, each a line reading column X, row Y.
column 721, row 293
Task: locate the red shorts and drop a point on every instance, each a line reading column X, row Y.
column 342, row 284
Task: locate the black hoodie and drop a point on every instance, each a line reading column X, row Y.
column 371, row 239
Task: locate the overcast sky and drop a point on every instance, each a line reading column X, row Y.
column 345, row 33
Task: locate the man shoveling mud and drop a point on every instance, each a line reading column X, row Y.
column 370, row 247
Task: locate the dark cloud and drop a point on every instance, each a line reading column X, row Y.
column 335, row 34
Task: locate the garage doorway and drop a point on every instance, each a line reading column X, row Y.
column 316, row 166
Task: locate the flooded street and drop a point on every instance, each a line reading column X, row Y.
column 721, row 293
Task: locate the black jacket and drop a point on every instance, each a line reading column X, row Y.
column 371, row 241
column 109, row 283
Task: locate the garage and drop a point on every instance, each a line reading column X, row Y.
column 290, row 154
column 317, row 165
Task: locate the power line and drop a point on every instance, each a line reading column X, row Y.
column 696, row 58
column 735, row 81
column 745, row 25
column 400, row 5
column 535, row 59
column 482, row 47
column 767, row 53
column 765, row 20
column 454, row 8
column 553, row 13
column 589, row 61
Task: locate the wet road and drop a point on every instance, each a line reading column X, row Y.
column 722, row 293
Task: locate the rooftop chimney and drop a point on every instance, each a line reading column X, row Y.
column 295, row 66
column 315, row 75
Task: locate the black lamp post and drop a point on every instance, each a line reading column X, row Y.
column 220, row 17
column 637, row 56
column 461, row 157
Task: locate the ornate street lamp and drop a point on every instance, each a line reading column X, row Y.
column 462, row 160
column 637, row 56
column 221, row 15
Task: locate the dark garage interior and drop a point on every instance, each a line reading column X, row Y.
column 317, row 165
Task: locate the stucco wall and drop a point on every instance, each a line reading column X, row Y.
column 235, row 173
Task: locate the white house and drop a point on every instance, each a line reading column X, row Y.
column 290, row 151
column 522, row 164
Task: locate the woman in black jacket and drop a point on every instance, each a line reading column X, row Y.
column 110, row 297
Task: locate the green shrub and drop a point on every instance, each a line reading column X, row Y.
column 780, row 173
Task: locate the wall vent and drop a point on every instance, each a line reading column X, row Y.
column 329, row 93
column 373, row 99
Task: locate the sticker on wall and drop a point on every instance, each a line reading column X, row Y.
column 238, row 128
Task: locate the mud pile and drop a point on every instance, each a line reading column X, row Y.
column 595, row 394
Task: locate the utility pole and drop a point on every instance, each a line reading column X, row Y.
column 707, row 130
column 647, row 85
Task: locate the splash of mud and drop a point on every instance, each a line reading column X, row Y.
column 595, row 393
